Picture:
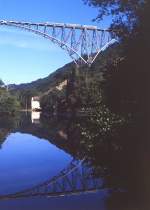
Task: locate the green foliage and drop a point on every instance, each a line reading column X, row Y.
column 100, row 126
column 126, row 81
column 48, row 102
column 125, row 14
column 8, row 103
column 25, row 97
column 1, row 83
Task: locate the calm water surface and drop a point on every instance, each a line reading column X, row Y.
column 30, row 154
column 34, row 150
column 26, row 160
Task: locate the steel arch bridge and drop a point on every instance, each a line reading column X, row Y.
column 75, row 179
column 83, row 43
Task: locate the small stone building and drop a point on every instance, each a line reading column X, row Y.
column 35, row 103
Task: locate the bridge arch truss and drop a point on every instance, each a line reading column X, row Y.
column 83, row 43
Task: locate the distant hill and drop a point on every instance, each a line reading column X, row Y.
column 46, row 83
column 54, row 79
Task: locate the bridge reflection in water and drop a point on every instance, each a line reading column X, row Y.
column 75, row 179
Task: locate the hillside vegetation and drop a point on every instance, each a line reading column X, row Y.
column 8, row 103
column 68, row 86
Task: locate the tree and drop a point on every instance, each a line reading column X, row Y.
column 127, row 84
column 8, row 103
column 126, row 15
column 128, row 79
column 25, row 96
column 1, row 83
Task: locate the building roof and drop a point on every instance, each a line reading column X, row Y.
column 36, row 98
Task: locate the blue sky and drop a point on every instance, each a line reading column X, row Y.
column 25, row 57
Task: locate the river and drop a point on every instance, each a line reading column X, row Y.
column 43, row 165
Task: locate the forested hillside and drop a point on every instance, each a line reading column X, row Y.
column 47, row 88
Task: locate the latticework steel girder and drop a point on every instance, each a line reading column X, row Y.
column 75, row 179
column 83, row 43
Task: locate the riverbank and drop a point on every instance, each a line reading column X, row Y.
column 6, row 113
